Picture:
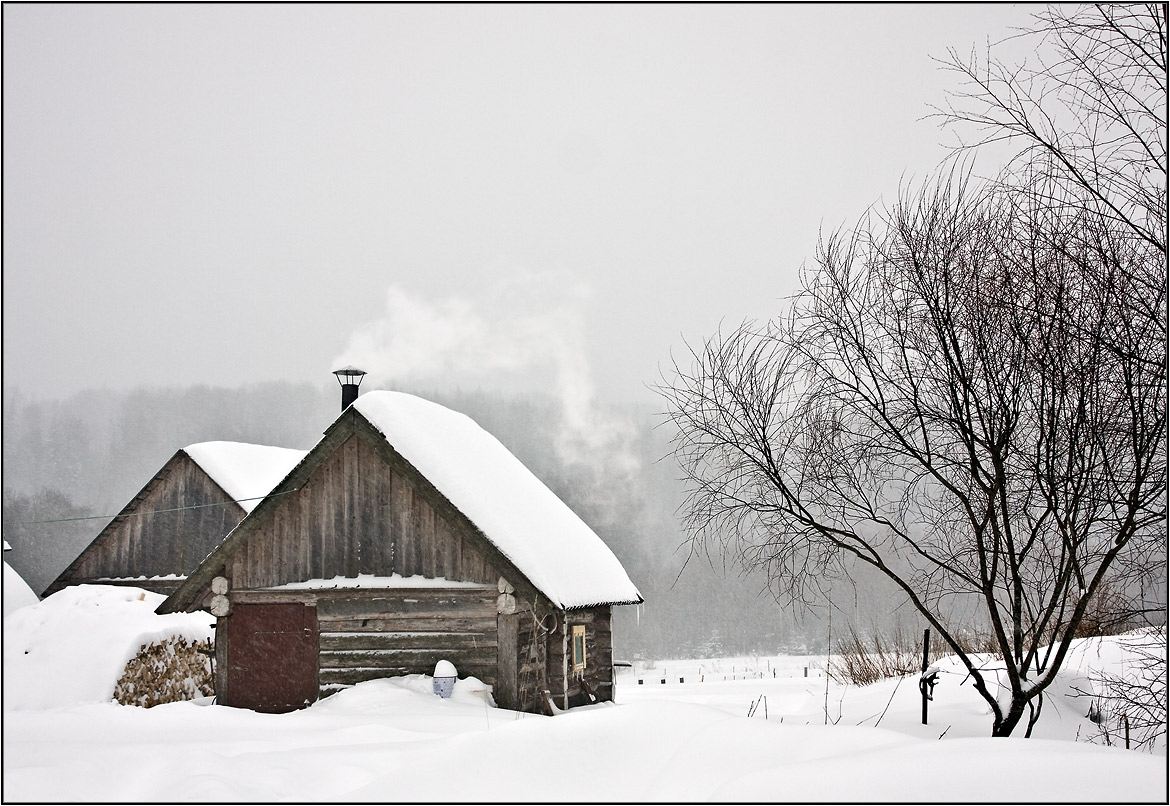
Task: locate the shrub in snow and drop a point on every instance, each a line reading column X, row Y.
column 168, row 670
column 862, row 660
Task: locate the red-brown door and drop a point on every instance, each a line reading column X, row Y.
column 271, row 657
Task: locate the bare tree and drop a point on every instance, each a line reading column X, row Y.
column 943, row 406
column 1091, row 109
column 969, row 396
column 1089, row 118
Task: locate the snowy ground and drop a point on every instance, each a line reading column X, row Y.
column 392, row 740
column 793, row 688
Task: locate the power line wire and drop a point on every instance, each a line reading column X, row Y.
column 154, row 511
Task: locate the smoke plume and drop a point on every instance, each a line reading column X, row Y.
column 527, row 333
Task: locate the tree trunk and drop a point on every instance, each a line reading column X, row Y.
column 1005, row 726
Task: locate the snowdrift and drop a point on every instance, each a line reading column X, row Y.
column 71, row 648
column 17, row 593
column 393, row 740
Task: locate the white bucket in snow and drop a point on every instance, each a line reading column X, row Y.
column 444, row 679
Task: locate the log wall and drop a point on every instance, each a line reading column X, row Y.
column 564, row 683
column 367, row 634
column 532, row 661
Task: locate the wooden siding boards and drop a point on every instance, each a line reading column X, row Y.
column 145, row 539
column 349, row 532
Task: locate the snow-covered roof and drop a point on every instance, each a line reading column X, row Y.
column 245, row 472
column 524, row 519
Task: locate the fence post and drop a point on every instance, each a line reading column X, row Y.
column 925, row 666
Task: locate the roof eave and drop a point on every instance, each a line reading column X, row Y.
column 621, row 603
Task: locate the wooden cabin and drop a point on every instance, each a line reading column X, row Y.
column 409, row 535
column 183, row 512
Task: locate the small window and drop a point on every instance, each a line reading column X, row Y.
column 578, row 647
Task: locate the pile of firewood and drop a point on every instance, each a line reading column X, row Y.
column 166, row 671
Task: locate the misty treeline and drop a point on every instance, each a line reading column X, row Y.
column 90, row 453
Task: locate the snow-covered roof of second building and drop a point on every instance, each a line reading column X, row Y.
column 522, row 517
column 245, row 472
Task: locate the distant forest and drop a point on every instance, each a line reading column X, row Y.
column 90, row 453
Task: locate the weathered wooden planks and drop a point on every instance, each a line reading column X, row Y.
column 359, row 512
column 163, row 586
column 481, row 593
column 507, row 660
column 146, row 539
column 446, row 641
column 557, row 662
column 369, row 633
column 333, row 677
column 481, row 625
column 456, row 606
column 424, row 659
column 531, row 652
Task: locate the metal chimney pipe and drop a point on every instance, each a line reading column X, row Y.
column 350, row 379
column 349, row 393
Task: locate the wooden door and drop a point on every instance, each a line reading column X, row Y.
column 271, row 657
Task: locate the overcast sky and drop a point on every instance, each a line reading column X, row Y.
column 472, row 196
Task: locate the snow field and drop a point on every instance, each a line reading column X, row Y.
column 394, row 740
column 734, row 685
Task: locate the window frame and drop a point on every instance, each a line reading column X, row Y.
column 578, row 663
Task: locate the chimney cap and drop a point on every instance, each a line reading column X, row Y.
column 349, row 374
